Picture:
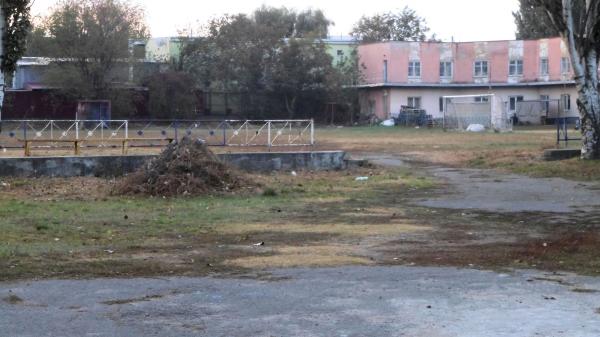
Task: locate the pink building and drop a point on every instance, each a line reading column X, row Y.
column 419, row 74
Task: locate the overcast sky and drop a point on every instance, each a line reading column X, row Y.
column 465, row 20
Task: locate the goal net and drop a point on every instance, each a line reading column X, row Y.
column 487, row 110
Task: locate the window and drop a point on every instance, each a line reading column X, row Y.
column 566, row 102
column 565, row 65
column 441, row 104
column 385, row 71
column 414, row 102
column 480, row 69
column 513, row 102
column 414, row 69
column 544, row 68
column 482, row 99
column 340, row 53
column 446, row 69
column 515, row 68
column 545, row 102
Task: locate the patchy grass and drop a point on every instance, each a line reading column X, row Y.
column 518, row 152
column 304, row 256
column 103, row 235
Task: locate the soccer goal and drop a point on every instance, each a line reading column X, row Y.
column 488, row 110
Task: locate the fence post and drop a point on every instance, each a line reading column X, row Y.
column 269, row 133
column 127, row 129
column 77, row 129
column 312, row 132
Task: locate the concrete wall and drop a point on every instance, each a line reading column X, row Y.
column 112, row 166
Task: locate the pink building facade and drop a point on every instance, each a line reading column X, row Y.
column 419, row 74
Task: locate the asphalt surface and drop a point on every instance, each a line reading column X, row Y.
column 491, row 191
column 348, row 301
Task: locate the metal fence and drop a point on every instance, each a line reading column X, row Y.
column 234, row 133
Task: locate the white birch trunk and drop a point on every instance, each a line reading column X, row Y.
column 585, row 67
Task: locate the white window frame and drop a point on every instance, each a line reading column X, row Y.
column 515, row 67
column 414, row 69
column 512, row 102
column 565, row 100
column 544, row 66
column 565, row 65
column 446, row 69
column 411, row 100
column 478, row 67
column 481, row 99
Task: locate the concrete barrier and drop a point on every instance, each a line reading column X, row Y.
column 114, row 166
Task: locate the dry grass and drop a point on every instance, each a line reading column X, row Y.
column 518, row 152
column 328, row 229
column 303, row 256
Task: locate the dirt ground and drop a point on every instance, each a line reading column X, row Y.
column 412, row 210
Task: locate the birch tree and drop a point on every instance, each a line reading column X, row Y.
column 578, row 22
column 15, row 23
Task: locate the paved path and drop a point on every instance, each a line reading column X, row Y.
column 491, row 191
column 349, row 301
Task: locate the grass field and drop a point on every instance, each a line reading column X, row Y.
column 519, row 151
column 75, row 228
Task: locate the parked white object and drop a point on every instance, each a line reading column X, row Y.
column 389, row 122
column 476, row 128
column 361, row 178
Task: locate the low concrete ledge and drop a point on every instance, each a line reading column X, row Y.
column 114, row 166
column 561, row 154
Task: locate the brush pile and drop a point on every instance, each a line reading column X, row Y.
column 187, row 168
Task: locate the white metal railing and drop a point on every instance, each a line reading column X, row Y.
column 235, row 133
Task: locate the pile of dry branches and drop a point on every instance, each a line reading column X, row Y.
column 187, row 168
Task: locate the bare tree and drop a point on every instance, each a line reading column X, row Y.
column 578, row 22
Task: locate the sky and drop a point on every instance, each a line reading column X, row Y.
column 461, row 20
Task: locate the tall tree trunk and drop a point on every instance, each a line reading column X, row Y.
column 290, row 106
column 585, row 67
column 2, row 86
column 589, row 108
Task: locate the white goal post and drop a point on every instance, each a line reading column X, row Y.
column 484, row 109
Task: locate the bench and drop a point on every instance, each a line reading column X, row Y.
column 77, row 143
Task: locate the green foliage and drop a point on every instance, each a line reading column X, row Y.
column 17, row 22
column 89, row 41
column 404, row 26
column 274, row 58
column 533, row 22
column 171, row 95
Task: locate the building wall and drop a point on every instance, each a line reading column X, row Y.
column 388, row 85
column 463, row 55
column 430, row 98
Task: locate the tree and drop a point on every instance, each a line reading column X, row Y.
column 578, row 22
column 15, row 23
column 403, row 26
column 247, row 55
column 171, row 95
column 300, row 72
column 89, row 41
column 532, row 22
